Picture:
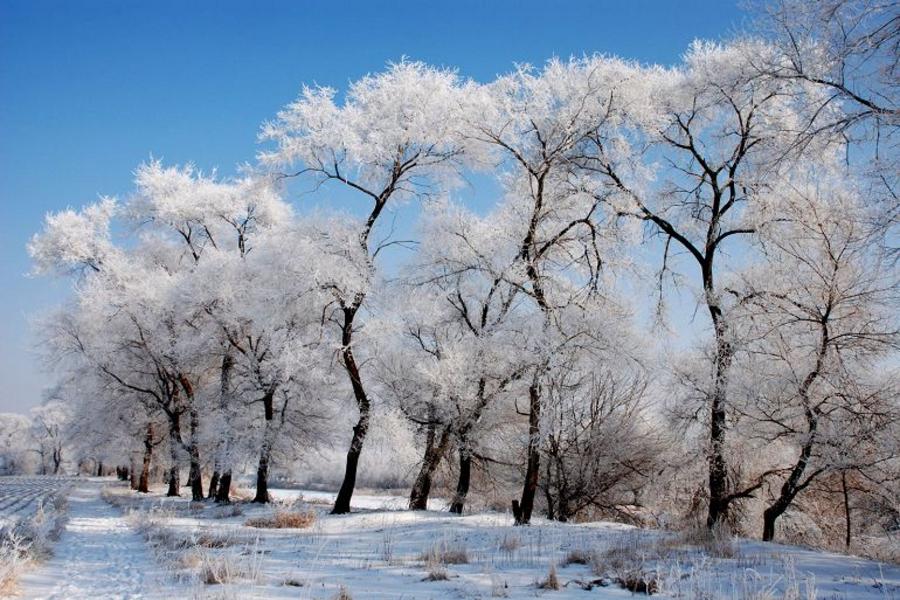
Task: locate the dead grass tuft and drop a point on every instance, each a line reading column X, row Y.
column 578, row 556
column 552, row 581
column 444, row 553
column 342, row 594
column 283, row 520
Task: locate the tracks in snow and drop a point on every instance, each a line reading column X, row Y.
column 98, row 556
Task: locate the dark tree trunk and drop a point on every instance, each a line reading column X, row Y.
column 719, row 498
column 464, row 481
column 532, row 471
column 434, row 452
column 847, row 524
column 173, row 482
column 57, row 460
column 222, row 448
column 793, row 485
column 195, row 476
column 100, row 469
column 342, row 502
column 223, row 494
column 174, row 442
column 262, row 470
column 770, row 515
column 144, row 481
column 213, row 484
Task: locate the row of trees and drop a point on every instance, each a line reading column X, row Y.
column 214, row 323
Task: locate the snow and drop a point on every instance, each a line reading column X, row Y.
column 97, row 556
column 378, row 552
column 21, row 495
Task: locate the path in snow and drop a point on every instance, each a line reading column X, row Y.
column 98, row 556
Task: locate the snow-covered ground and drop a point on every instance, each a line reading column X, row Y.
column 22, row 495
column 382, row 553
column 98, row 555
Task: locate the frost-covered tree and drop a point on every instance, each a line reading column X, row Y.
column 848, row 49
column 393, row 138
column 820, row 317
column 537, row 124
column 698, row 162
column 14, row 443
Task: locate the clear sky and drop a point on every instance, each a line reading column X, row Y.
column 90, row 88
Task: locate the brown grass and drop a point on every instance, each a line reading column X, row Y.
column 342, row 594
column 578, row 556
column 283, row 520
column 446, row 554
column 552, row 581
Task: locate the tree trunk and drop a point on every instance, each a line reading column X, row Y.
column 213, row 484
column 144, row 481
column 526, row 504
column 770, row 515
column 195, row 476
column 847, row 525
column 342, row 502
column 265, row 451
column 465, row 479
column 719, row 499
column 223, row 494
column 222, row 446
column 100, row 469
column 174, row 441
column 173, row 482
column 434, row 452
column 792, row 485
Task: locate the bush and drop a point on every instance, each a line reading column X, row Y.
column 446, row 554
column 578, row 556
column 283, row 520
column 552, row 581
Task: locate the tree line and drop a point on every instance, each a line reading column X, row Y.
column 682, row 298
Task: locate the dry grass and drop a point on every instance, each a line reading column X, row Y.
column 224, row 511
column 578, row 556
column 436, row 572
column 216, row 570
column 510, row 543
column 445, row 553
column 30, row 540
column 552, row 580
column 242, row 494
column 284, row 520
column 716, row 542
column 639, row 583
column 215, row 540
column 342, row 594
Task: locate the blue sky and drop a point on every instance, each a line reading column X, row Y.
column 90, row 88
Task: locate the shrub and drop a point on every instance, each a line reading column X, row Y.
column 219, row 569
column 283, row 520
column 552, row 581
column 716, row 542
column 446, row 554
column 578, row 556
column 436, row 572
column 510, row 543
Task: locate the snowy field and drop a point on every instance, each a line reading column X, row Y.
column 118, row 544
column 21, row 496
